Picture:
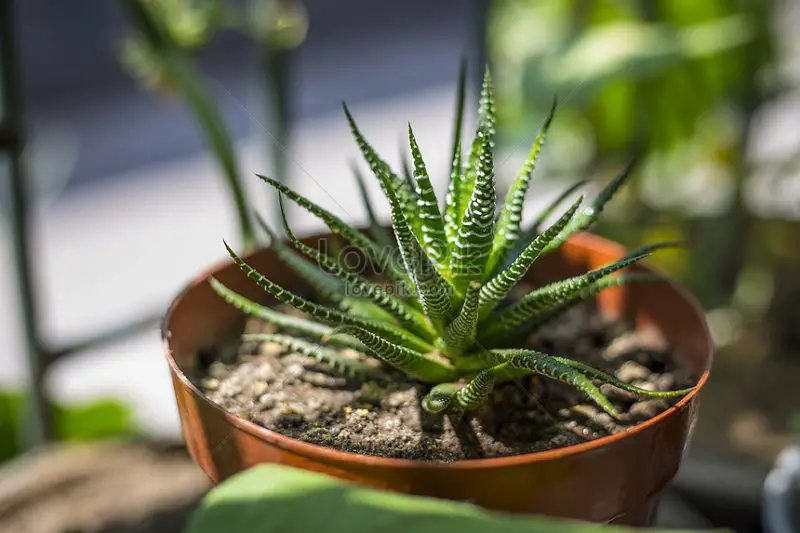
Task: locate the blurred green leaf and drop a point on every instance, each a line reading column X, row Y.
column 627, row 50
column 101, row 419
column 275, row 498
column 10, row 409
column 93, row 421
column 159, row 55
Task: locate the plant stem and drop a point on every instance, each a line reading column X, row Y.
column 192, row 88
column 37, row 418
column 275, row 72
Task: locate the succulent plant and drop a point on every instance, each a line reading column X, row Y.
column 446, row 317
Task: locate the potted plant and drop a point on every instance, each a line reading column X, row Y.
column 467, row 362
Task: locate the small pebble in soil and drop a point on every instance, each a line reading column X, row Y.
column 647, row 409
column 631, row 370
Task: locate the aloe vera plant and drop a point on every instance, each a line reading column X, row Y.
column 449, row 320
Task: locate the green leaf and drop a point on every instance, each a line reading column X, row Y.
column 534, row 229
column 452, row 219
column 191, row 85
column 611, row 380
column 507, row 229
column 376, row 229
column 293, row 323
column 452, row 396
column 461, row 91
column 355, row 283
column 591, row 213
column 103, row 419
column 547, row 365
column 282, row 320
column 461, row 332
column 408, row 174
column 273, row 498
column 390, row 182
column 498, row 288
column 373, row 251
column 326, row 314
column 592, row 290
column 483, row 142
column 326, row 286
column 367, row 309
column 328, row 356
column 433, row 291
column 475, row 234
column 536, row 225
column 434, row 241
column 415, row 364
column 453, row 212
column 547, row 298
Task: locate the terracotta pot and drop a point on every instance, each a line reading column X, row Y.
column 613, row 479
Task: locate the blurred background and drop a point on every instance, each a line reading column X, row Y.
column 130, row 131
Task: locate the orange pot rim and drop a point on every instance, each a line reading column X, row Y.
column 326, row 454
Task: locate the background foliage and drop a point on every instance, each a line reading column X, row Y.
column 682, row 83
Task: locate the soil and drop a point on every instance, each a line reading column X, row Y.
column 298, row 397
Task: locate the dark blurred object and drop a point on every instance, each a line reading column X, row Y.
column 726, row 494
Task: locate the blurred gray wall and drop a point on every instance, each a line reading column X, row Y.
column 355, row 50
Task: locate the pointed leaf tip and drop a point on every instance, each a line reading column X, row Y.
column 551, row 114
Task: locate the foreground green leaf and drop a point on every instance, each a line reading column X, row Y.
column 277, row 499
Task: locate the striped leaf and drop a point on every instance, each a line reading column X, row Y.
column 507, row 229
column 452, row 218
column 282, row 320
column 324, row 285
column 585, row 219
column 354, row 304
column 461, row 332
column 326, row 314
column 455, row 397
column 433, row 292
column 415, row 364
column 483, row 142
column 539, row 363
column 536, row 225
column 547, row 298
column 590, row 291
column 327, row 356
column 611, row 380
column 366, row 309
column 372, row 250
column 475, row 234
column 434, row 241
column 453, row 212
column 498, row 288
column 408, row 174
column 356, row 283
column 389, row 181
column 376, row 229
column 534, row 229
